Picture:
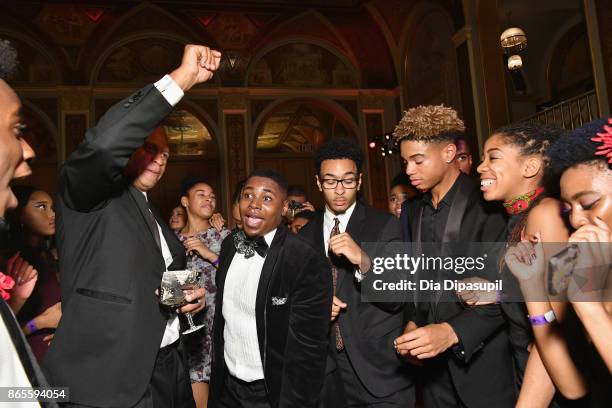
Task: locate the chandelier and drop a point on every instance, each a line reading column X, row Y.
column 513, row 40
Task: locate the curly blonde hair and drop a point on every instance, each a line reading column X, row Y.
column 432, row 123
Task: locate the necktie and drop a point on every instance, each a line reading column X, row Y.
column 336, row 327
column 153, row 225
column 249, row 245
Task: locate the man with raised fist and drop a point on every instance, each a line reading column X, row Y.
column 115, row 346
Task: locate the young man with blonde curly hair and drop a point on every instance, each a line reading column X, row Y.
column 463, row 351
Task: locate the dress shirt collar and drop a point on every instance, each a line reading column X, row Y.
column 448, row 197
column 269, row 237
column 344, row 217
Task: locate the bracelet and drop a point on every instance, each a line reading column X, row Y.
column 216, row 262
column 31, row 326
column 540, row 320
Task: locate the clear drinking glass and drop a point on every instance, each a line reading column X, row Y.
column 172, row 291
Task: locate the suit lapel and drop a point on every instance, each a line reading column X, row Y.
column 354, row 228
column 176, row 248
column 225, row 261
column 143, row 207
column 318, row 232
column 262, row 289
column 457, row 211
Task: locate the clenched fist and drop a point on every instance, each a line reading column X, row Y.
column 198, row 65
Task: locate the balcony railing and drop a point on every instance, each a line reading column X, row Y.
column 571, row 113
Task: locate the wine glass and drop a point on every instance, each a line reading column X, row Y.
column 172, row 292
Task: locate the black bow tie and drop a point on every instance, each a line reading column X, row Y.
column 249, row 245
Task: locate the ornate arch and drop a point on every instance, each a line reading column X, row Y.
column 434, row 58
column 293, row 40
column 328, row 105
column 129, row 57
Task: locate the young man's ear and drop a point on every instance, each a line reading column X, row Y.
column 359, row 181
column 318, row 182
column 285, row 207
column 532, row 166
column 184, row 202
column 449, row 152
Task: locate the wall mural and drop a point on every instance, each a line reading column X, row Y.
column 187, row 136
column 140, row 61
column 301, row 65
column 298, row 127
column 67, row 24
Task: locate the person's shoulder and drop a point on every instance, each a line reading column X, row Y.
column 297, row 242
column 546, row 211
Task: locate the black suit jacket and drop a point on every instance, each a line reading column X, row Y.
column 292, row 336
column 368, row 329
column 110, row 265
column 481, row 365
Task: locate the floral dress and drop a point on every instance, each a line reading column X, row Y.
column 199, row 344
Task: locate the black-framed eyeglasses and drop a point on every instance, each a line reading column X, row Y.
column 331, row 183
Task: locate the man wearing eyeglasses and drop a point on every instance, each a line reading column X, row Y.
column 362, row 367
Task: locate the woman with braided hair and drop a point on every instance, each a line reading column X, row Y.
column 512, row 172
column 582, row 161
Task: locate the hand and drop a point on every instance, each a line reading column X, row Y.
column 337, row 307
column 190, row 296
column 593, row 262
column 47, row 339
column 479, row 297
column 411, row 326
column 25, row 277
column 198, row 65
column 307, row 206
column 343, row 244
column 526, row 260
column 427, row 341
column 49, row 319
column 217, row 221
column 194, row 244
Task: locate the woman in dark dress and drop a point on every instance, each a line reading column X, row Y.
column 32, row 228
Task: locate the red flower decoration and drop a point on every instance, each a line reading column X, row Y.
column 605, row 138
column 6, row 284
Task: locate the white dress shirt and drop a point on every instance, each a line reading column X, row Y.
column 173, row 326
column 173, row 94
column 328, row 222
column 12, row 373
column 241, row 351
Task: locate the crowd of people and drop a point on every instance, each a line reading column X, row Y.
column 282, row 295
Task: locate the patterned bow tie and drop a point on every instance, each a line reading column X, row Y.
column 249, row 245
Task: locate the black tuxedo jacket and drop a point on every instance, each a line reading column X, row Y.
column 110, row 265
column 292, row 336
column 368, row 329
column 481, row 365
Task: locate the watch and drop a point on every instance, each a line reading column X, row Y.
column 540, row 320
